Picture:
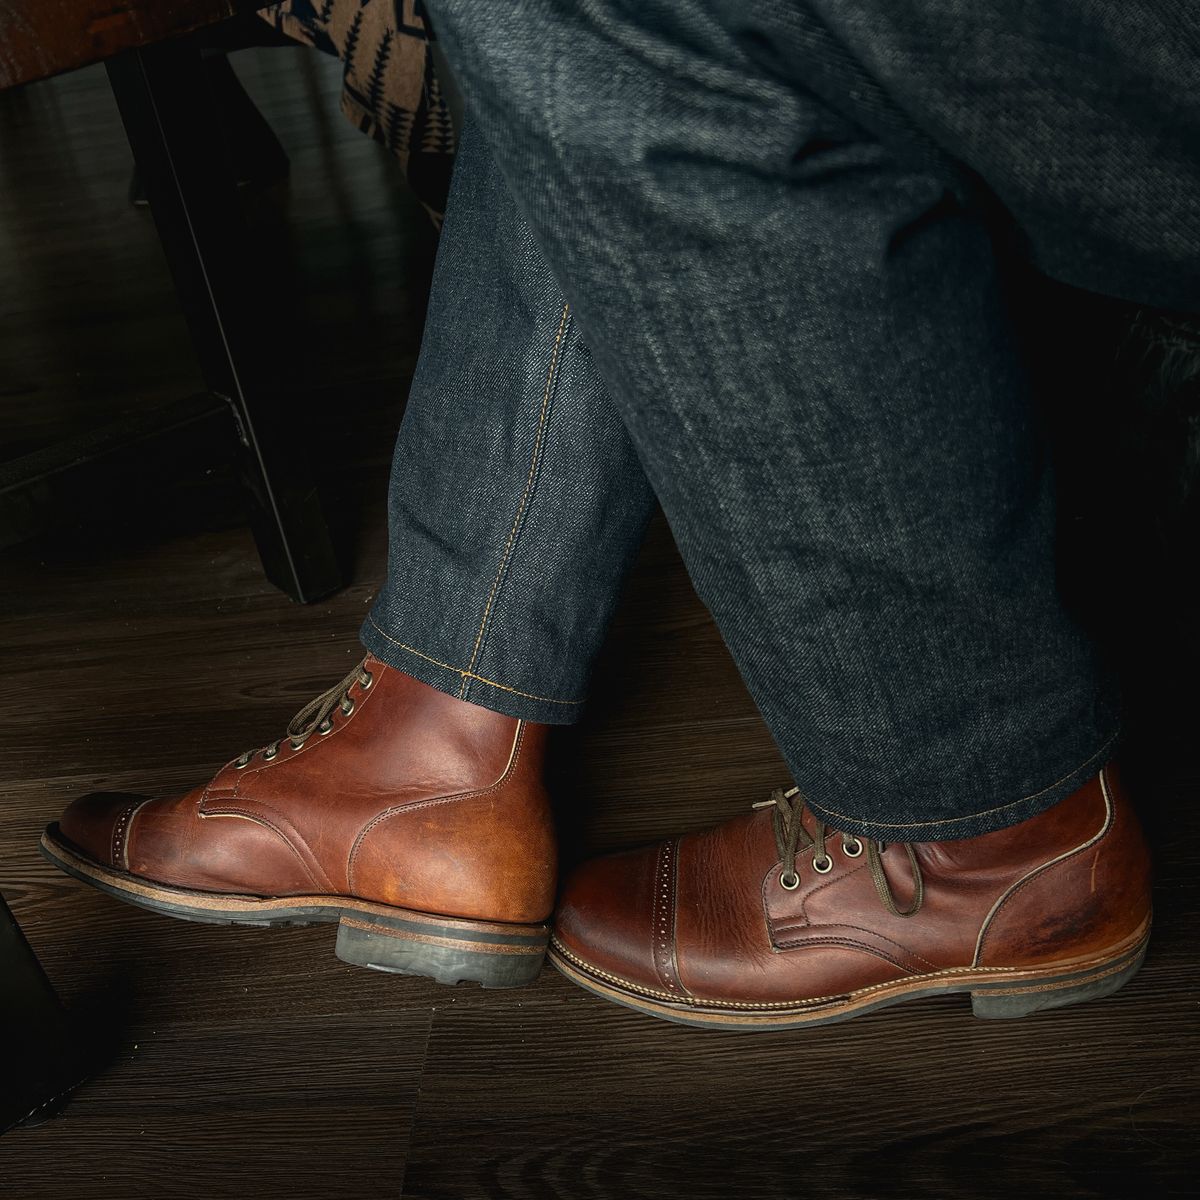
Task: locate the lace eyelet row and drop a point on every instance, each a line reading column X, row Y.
column 347, row 704
column 851, row 848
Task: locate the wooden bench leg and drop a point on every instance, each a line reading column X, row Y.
column 189, row 184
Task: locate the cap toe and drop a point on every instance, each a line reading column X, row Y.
column 98, row 825
column 609, row 915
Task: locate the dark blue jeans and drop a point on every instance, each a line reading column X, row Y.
column 779, row 227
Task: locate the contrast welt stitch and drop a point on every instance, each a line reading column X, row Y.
column 551, row 374
column 954, row 821
column 470, row 674
column 693, row 1001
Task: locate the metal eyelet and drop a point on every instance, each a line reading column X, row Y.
column 325, row 728
column 789, row 882
column 365, row 680
column 270, row 754
column 296, row 744
column 242, row 763
column 347, row 706
column 823, row 866
column 852, row 853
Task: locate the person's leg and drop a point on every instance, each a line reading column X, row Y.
column 803, row 325
column 407, row 803
column 516, row 502
column 794, row 298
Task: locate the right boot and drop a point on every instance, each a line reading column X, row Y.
column 417, row 822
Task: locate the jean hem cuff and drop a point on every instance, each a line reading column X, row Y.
column 465, row 685
column 973, row 824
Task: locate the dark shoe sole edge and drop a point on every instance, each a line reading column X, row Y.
column 1000, row 996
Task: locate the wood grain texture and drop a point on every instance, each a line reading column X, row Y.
column 252, row 1063
column 39, row 38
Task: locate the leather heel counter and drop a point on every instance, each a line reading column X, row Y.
column 524, row 862
column 522, row 851
column 1094, row 898
column 486, row 855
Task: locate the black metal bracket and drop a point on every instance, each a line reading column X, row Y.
column 41, row 1060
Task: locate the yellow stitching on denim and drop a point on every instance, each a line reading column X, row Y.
column 533, row 464
column 527, row 695
column 437, row 662
column 471, row 674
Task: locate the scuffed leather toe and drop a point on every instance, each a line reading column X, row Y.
column 617, row 915
column 98, row 824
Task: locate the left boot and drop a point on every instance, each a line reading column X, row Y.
column 416, row 822
column 774, row 920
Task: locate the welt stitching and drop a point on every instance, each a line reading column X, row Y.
column 469, row 674
column 699, row 1002
column 954, row 821
column 535, row 460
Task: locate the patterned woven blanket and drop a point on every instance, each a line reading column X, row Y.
column 389, row 88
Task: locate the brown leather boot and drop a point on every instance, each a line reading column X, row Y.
column 418, row 822
column 774, row 920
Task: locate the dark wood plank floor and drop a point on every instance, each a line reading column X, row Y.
column 249, row 1063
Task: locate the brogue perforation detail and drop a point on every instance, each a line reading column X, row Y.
column 663, row 921
column 120, row 829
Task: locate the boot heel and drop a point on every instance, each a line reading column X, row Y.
column 444, row 949
column 1003, row 1002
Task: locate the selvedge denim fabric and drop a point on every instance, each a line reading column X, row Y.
column 783, row 255
column 516, row 502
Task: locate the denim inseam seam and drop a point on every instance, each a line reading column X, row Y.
column 535, row 460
